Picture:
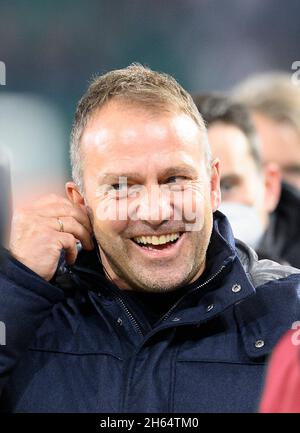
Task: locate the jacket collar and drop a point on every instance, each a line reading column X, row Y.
column 225, row 281
column 227, row 284
column 223, row 270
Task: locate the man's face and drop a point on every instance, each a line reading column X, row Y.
column 280, row 144
column 150, row 169
column 241, row 181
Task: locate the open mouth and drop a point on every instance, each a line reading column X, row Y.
column 157, row 242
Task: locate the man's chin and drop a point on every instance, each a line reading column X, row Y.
column 160, row 284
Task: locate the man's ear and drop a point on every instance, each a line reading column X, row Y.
column 272, row 181
column 215, row 190
column 73, row 193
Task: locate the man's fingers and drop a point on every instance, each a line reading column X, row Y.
column 67, row 210
column 68, row 243
column 71, row 225
column 41, row 230
column 53, row 205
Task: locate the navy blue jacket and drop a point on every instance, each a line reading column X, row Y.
column 75, row 344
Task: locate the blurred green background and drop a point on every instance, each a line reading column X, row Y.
column 52, row 48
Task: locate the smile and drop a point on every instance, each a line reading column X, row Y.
column 164, row 246
column 157, row 240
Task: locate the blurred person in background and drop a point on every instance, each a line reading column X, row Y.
column 250, row 192
column 274, row 102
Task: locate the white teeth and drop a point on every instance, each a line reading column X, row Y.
column 157, row 240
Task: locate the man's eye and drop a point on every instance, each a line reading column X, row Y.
column 117, row 190
column 122, row 190
column 119, row 186
column 176, row 183
column 227, row 186
column 174, row 179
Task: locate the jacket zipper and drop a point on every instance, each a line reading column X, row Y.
column 130, row 316
column 124, row 307
column 167, row 315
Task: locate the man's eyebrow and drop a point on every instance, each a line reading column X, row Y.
column 105, row 177
column 291, row 168
column 180, row 170
column 230, row 178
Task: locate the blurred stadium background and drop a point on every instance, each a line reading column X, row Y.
column 52, row 48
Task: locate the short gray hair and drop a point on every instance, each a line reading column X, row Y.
column 135, row 84
column 272, row 94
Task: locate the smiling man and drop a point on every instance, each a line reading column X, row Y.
column 165, row 155
column 131, row 294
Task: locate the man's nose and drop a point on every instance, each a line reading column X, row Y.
column 154, row 205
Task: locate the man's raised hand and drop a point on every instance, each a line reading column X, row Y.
column 40, row 231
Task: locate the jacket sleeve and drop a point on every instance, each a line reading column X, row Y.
column 25, row 301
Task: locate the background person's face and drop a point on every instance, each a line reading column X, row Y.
column 240, row 180
column 158, row 153
column 280, row 145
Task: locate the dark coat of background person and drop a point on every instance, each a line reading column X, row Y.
column 77, row 344
column 282, row 237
